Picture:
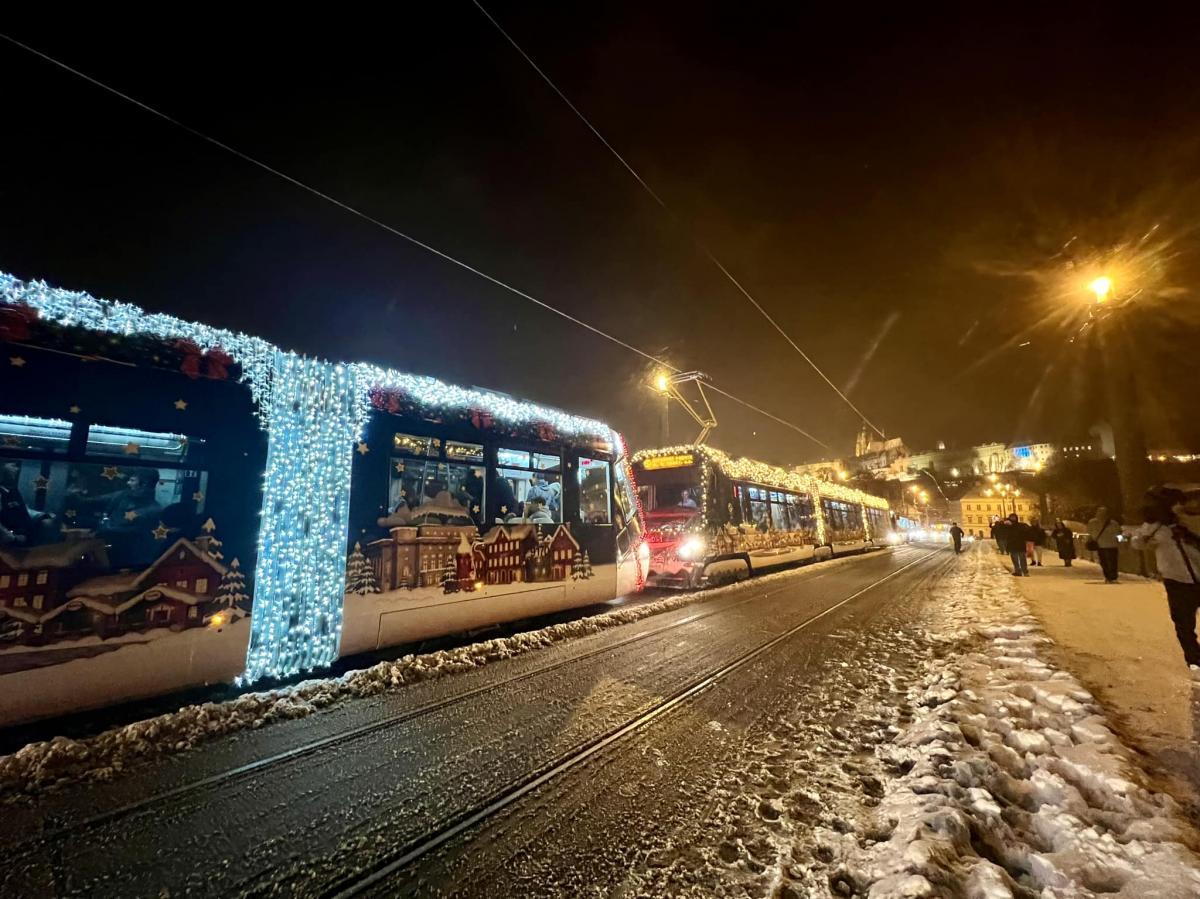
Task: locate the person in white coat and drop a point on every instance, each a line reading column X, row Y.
column 1177, row 554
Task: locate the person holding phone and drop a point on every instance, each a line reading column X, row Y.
column 1177, row 554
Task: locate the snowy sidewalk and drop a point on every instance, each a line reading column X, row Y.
column 1009, row 782
column 1119, row 641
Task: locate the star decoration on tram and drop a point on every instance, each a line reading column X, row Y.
column 181, row 405
column 41, row 482
column 197, row 497
column 111, row 472
column 16, row 361
column 132, row 449
column 363, row 449
column 161, row 532
column 131, row 515
column 74, row 410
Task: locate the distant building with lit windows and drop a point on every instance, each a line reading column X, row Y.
column 976, row 511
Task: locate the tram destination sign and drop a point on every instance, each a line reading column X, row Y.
column 679, row 460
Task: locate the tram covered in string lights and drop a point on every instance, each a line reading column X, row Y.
column 710, row 518
column 182, row 505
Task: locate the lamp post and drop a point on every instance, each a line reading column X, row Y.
column 1110, row 318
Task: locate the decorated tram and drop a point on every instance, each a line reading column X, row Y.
column 710, row 518
column 182, row 505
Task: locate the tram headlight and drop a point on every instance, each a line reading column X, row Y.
column 691, row 548
column 894, row 538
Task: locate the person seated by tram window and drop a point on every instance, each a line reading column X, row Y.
column 129, row 518
column 473, row 494
column 549, row 492
column 18, row 525
column 686, row 500
column 536, row 512
column 504, row 496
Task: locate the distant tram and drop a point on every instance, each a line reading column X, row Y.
column 710, row 518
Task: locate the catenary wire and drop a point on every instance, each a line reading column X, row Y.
column 659, row 200
column 390, row 229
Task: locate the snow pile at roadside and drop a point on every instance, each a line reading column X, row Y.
column 61, row 760
column 1009, row 781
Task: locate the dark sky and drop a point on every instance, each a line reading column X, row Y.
column 907, row 175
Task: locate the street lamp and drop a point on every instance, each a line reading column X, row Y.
column 668, row 384
column 1107, row 315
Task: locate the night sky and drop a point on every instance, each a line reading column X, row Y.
column 894, row 187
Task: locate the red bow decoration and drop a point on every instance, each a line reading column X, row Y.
column 481, row 419
column 16, row 322
column 547, row 433
column 385, row 400
column 212, row 363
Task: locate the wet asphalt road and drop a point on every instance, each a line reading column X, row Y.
column 325, row 821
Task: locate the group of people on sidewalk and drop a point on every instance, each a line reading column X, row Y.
column 1171, row 530
column 1025, row 542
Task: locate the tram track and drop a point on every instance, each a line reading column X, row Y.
column 352, row 803
column 57, row 831
column 361, row 883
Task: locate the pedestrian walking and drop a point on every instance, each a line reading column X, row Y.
column 956, row 534
column 1104, row 532
column 1177, row 555
column 1014, row 539
column 999, row 531
column 1035, row 543
column 1064, row 541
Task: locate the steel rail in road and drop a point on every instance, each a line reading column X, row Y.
column 356, row 886
column 56, row 831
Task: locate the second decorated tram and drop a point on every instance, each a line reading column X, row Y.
column 710, row 518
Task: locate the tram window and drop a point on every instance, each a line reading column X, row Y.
column 429, row 492
column 594, row 492
column 146, row 446
column 464, row 452
column 628, row 525
column 536, row 485
column 412, row 445
column 779, row 519
column 44, row 435
column 759, row 507
column 131, row 511
column 802, row 515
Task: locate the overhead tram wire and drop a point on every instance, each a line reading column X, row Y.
column 245, row 157
column 659, row 200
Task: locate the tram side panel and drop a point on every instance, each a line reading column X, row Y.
column 130, row 481
column 455, row 526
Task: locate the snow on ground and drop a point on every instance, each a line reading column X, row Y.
column 1008, row 781
column 61, row 761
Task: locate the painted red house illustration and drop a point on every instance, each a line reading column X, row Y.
column 500, row 555
column 36, row 579
column 174, row 591
column 561, row 548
